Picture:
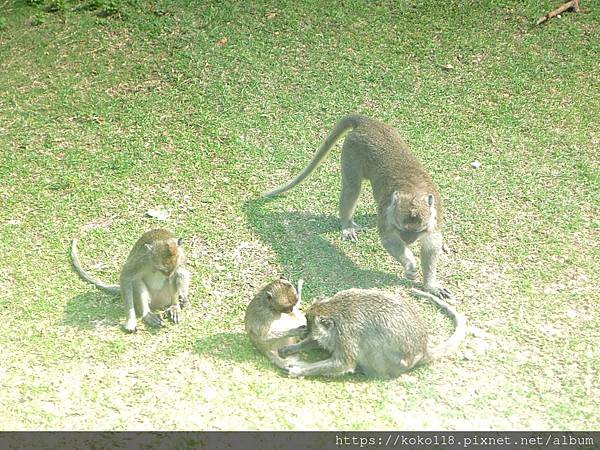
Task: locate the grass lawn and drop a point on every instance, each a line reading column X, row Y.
column 197, row 108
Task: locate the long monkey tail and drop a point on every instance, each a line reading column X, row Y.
column 345, row 124
column 460, row 322
column 110, row 288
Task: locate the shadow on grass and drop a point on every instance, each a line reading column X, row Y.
column 237, row 348
column 85, row 310
column 298, row 239
column 234, row 347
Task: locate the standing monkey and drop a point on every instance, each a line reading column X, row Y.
column 409, row 206
column 153, row 277
column 371, row 332
column 273, row 318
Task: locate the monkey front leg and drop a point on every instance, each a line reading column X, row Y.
column 307, row 344
column 431, row 248
column 182, row 283
column 396, row 247
column 331, row 367
column 180, row 286
column 293, row 332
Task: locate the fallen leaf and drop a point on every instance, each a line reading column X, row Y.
column 448, row 66
column 478, row 332
column 157, row 214
column 468, row 355
column 222, row 41
column 271, row 15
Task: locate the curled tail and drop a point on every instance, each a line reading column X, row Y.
column 460, row 323
column 345, row 124
column 110, row 288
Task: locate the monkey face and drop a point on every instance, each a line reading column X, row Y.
column 282, row 296
column 413, row 214
column 165, row 256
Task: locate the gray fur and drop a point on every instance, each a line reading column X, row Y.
column 409, row 205
column 371, row 332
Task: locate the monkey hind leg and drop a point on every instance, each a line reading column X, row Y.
column 143, row 302
column 382, row 358
column 129, row 296
column 351, row 185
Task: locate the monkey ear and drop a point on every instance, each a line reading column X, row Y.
column 179, row 242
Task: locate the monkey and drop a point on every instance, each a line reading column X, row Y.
column 370, row 332
column 273, row 318
column 409, row 206
column 153, row 277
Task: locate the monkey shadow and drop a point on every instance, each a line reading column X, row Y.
column 84, row 311
column 234, row 347
column 299, row 240
column 237, row 348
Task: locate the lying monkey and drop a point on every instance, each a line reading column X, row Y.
column 409, row 205
column 153, row 277
column 273, row 318
column 370, row 332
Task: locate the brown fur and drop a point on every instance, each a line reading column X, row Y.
column 153, row 277
column 409, row 205
column 384, row 159
column 273, row 317
column 369, row 331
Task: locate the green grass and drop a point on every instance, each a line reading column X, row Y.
column 104, row 116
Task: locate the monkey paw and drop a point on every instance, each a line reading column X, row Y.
column 174, row 313
column 410, row 272
column 130, row 326
column 441, row 292
column 293, row 371
column 284, row 352
column 152, row 319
